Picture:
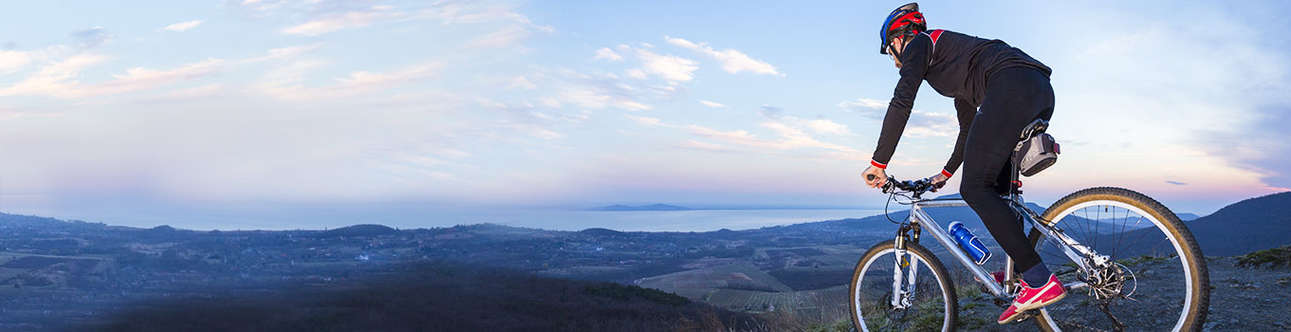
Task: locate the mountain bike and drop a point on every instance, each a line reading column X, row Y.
column 1127, row 262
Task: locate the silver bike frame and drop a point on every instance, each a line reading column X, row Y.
column 1072, row 249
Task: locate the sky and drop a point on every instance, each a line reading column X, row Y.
column 259, row 113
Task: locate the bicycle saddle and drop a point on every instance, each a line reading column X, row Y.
column 1034, row 128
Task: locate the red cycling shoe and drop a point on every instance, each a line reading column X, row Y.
column 1032, row 298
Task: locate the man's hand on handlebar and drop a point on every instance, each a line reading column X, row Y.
column 938, row 181
column 875, row 177
column 878, row 178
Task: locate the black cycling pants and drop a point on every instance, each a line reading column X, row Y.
column 1014, row 97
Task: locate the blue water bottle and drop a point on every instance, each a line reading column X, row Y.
column 969, row 242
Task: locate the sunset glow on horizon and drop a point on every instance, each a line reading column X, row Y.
column 259, row 111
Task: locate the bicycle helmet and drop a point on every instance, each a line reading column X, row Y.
column 905, row 21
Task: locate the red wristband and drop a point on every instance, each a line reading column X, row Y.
column 945, row 173
column 878, row 164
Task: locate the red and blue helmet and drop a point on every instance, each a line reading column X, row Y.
column 905, row 21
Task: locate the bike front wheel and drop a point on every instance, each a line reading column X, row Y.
column 929, row 303
column 1156, row 278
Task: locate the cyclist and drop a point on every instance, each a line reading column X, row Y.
column 998, row 90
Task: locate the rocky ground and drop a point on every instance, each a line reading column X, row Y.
column 1243, row 297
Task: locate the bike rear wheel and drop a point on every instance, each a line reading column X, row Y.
column 1158, row 280
column 932, row 307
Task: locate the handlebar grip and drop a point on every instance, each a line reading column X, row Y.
column 869, row 177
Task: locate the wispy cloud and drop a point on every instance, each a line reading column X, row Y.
column 920, row 124
column 504, row 37
column 733, row 61
column 929, row 124
column 335, row 22
column 92, row 37
column 703, row 146
column 712, row 104
column 281, row 53
column 863, row 105
column 55, row 79
column 59, row 79
column 11, row 61
column 522, row 82
column 787, row 134
column 605, row 53
column 289, row 82
column 671, row 68
column 183, row 26
column 645, row 120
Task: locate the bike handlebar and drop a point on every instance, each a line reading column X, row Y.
column 915, row 187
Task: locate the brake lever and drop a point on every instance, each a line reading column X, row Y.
column 888, row 186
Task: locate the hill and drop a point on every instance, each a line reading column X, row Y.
column 359, row 230
column 436, row 296
column 1252, row 224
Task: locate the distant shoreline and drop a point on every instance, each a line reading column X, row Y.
column 668, row 207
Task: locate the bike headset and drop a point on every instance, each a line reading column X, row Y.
column 905, row 21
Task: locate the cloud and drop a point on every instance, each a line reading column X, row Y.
column 733, row 61
column 324, row 18
column 671, row 68
column 60, row 78
column 183, row 26
column 503, row 37
column 585, row 97
column 55, row 79
column 521, row 82
column 596, row 97
column 634, row 106
column 920, row 124
column 1177, row 183
column 285, row 53
column 928, row 124
column 705, row 146
column 91, row 38
column 789, row 136
column 605, row 53
column 288, row 82
column 712, row 104
column 863, row 105
column 771, row 111
column 203, row 91
column 140, row 78
column 824, row 126
column 1258, row 145
column 600, row 90
column 365, row 79
column 645, row 121
column 819, row 126
column 335, row 22
column 12, row 61
column 476, row 12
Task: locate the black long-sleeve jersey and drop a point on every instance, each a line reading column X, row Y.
column 955, row 65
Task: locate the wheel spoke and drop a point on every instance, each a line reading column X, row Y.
column 1133, row 239
column 872, row 292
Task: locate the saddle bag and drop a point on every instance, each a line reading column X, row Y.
column 1035, row 154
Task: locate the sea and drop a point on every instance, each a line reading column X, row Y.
column 265, row 216
column 651, row 221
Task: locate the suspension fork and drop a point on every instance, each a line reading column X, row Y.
column 903, row 281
